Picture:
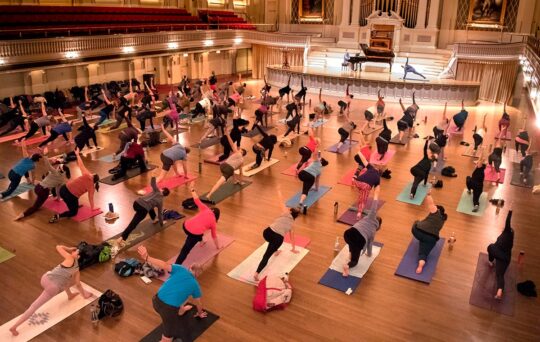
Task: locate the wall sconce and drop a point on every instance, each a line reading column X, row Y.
column 218, row 52
column 2, row 61
column 208, row 42
column 172, row 45
column 128, row 49
column 72, row 54
column 185, row 55
column 238, row 40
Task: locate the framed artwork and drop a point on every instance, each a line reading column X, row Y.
column 311, row 9
column 487, row 11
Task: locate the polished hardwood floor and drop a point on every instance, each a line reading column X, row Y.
column 384, row 308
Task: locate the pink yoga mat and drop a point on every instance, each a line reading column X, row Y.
column 203, row 254
column 36, row 140
column 453, row 130
column 347, row 178
column 12, row 137
column 83, row 214
column 387, row 157
column 300, row 241
column 291, row 171
column 491, row 176
column 172, row 182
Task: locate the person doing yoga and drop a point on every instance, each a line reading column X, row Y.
column 475, row 182
column 407, row 68
column 260, row 147
column 361, row 235
column 495, row 158
column 196, row 226
column 239, row 127
column 460, row 118
column 500, row 253
column 131, row 156
column 504, row 123
column 364, row 180
column 105, row 112
column 309, row 177
column 86, row 133
column 23, row 168
column 420, row 171
column 130, row 133
column 522, row 140
column 43, row 122
column 479, row 134
column 63, row 128
column 380, row 105
column 13, row 119
column 300, row 97
column 526, row 166
column 285, row 90
column 346, row 102
column 346, row 131
column 427, row 230
column 307, row 150
column 59, row 279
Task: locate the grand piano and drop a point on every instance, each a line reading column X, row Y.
column 372, row 55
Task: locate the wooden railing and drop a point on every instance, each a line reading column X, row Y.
column 488, row 51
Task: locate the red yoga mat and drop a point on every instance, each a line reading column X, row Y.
column 491, row 176
column 83, row 214
column 35, row 140
column 376, row 158
column 347, row 178
column 12, row 137
column 291, row 171
column 172, row 182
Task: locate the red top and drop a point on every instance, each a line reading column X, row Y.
column 312, row 144
column 134, row 150
column 203, row 221
column 80, row 185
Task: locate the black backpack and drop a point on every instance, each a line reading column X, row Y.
column 110, row 305
column 189, row 204
column 89, row 254
column 448, row 171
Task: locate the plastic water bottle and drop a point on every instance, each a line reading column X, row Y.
column 451, row 241
column 336, row 206
column 336, row 244
column 521, row 257
column 498, row 209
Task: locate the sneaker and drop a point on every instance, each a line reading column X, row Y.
column 54, row 218
column 411, row 196
column 476, row 208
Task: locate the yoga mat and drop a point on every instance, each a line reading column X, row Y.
column 409, row 263
column 336, row 280
column 10, row 137
column 51, row 313
column 226, row 190
column 349, row 216
column 395, row 139
column 202, row 255
column 59, row 207
column 109, row 158
column 508, row 136
column 299, row 240
column 490, row 175
column 213, row 160
column 5, row 255
column 454, row 130
column 35, row 140
column 21, row 189
column 347, row 145
column 255, row 132
column 144, row 230
column 172, row 182
column 129, row 174
column 88, row 151
column 291, row 171
column 438, row 166
column 207, row 143
column 363, row 263
column 347, row 178
column 281, row 264
column 376, row 158
column 370, row 130
column 317, row 123
column 421, row 193
column 108, row 130
column 470, row 152
column 107, row 122
column 264, row 165
column 517, row 179
column 513, row 156
column 484, row 287
column 195, row 326
column 312, row 197
column 465, row 204
column 149, row 129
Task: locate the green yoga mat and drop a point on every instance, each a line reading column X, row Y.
column 109, row 130
column 421, row 193
column 143, row 231
column 226, row 190
column 21, row 189
column 465, row 205
column 5, row 255
column 129, row 174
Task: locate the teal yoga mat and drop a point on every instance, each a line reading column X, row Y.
column 21, row 189
column 421, row 193
column 312, row 197
column 465, row 204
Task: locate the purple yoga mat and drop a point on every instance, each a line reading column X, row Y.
column 347, row 145
column 485, row 286
column 407, row 267
column 349, row 216
column 203, row 254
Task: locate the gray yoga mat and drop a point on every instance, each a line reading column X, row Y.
column 255, row 132
column 144, row 230
column 404, row 141
column 518, row 180
column 129, row 174
column 226, row 190
column 207, row 142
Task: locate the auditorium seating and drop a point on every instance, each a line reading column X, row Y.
column 50, row 21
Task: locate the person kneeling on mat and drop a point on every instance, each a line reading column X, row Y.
column 275, row 233
column 309, row 177
column 420, row 171
column 500, row 253
column 170, row 302
column 131, row 157
column 195, row 227
column 475, row 182
column 361, row 235
column 427, row 230
column 24, row 168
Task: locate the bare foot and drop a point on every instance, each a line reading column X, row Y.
column 14, row 331
column 499, row 294
column 72, row 295
column 345, row 271
column 184, row 309
column 420, row 267
column 491, row 264
column 256, row 276
column 276, row 253
column 20, row 216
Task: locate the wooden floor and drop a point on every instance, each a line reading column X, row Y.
column 384, row 308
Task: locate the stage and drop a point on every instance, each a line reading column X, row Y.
column 374, row 77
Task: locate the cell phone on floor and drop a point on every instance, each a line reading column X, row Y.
column 146, row 280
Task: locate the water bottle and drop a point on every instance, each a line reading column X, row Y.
column 111, row 208
column 285, row 154
column 451, row 241
column 521, row 257
column 336, row 244
column 336, row 206
column 498, row 209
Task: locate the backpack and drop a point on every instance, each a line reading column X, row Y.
column 110, row 305
column 438, row 184
column 127, row 267
column 273, row 292
column 90, row 254
column 105, row 254
column 171, row 215
column 189, row 204
column 448, row 171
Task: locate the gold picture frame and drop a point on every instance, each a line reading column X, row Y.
column 487, row 12
column 311, row 10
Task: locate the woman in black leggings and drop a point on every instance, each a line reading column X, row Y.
column 427, row 230
column 274, row 234
column 144, row 113
column 239, row 127
column 63, row 128
column 35, row 125
column 345, row 103
column 495, row 158
column 500, row 254
column 267, row 143
column 475, row 182
column 307, row 150
column 420, row 171
column 292, row 122
column 525, row 166
column 345, row 132
column 12, row 120
column 285, row 90
column 383, row 140
column 86, row 133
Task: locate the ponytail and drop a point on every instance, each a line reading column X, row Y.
column 96, row 182
column 67, row 171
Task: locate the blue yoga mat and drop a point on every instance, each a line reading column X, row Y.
column 421, row 193
column 109, row 159
column 465, row 204
column 312, row 197
column 22, row 188
column 347, row 145
column 318, row 123
column 336, row 280
column 409, row 263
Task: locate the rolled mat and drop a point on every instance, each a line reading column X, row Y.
column 409, row 263
column 484, row 287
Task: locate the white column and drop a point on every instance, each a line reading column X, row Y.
column 355, row 21
column 345, row 13
column 421, row 18
column 433, row 13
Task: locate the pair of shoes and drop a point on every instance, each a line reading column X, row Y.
column 54, row 218
column 476, row 208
